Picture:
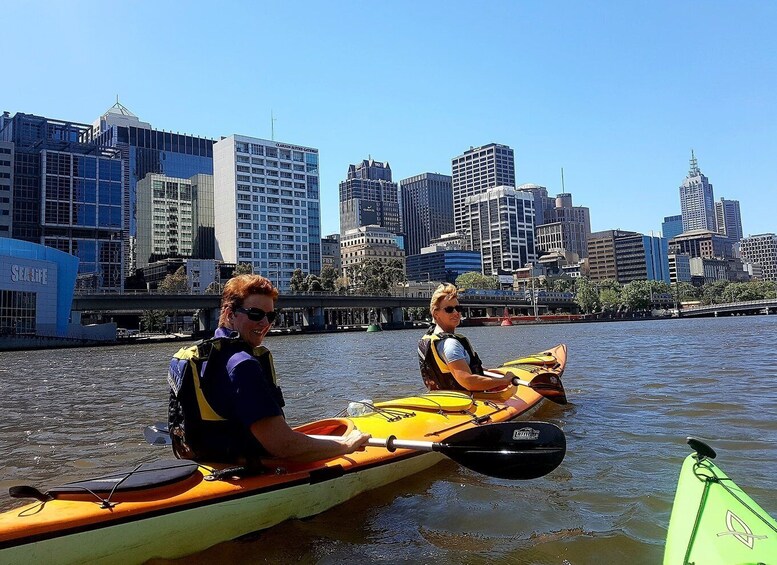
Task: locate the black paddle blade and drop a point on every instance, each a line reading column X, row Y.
column 549, row 386
column 157, row 434
column 25, row 491
column 510, row 450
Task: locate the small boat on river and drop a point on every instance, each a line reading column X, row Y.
column 172, row 508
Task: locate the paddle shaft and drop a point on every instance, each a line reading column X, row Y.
column 515, row 380
column 391, row 443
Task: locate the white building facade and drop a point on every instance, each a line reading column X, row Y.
column 267, row 206
column 500, row 223
column 761, row 250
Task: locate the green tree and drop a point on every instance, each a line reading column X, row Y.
column 418, row 313
column 563, row 284
column 475, row 280
column 297, row 281
column 610, row 300
column 341, row 285
column 714, row 292
column 587, row 297
column 636, row 296
column 685, row 292
column 214, row 288
column 328, row 278
column 175, row 283
column 313, row 284
column 243, row 269
column 151, row 320
column 373, row 276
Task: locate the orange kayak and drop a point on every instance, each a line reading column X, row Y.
column 170, row 508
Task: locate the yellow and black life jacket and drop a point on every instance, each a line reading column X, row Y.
column 197, row 430
column 434, row 370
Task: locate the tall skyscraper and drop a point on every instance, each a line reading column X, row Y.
column 68, row 193
column 169, row 214
column 728, row 219
column 500, row 223
column 427, row 209
column 672, row 226
column 477, row 170
column 267, row 208
column 368, row 197
column 149, row 151
column 696, row 200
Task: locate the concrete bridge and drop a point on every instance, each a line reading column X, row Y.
column 315, row 310
column 768, row 306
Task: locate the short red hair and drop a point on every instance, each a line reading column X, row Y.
column 241, row 287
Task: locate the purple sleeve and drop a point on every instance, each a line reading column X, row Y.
column 253, row 397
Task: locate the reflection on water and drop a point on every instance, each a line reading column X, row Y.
column 637, row 389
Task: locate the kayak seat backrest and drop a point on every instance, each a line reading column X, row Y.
column 144, row 476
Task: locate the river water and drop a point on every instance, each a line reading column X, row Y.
column 636, row 390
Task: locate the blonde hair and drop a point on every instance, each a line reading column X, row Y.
column 443, row 292
column 241, row 287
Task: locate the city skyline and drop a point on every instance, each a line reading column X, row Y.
column 608, row 92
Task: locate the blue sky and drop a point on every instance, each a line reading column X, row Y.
column 616, row 93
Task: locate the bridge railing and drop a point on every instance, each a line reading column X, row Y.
column 743, row 304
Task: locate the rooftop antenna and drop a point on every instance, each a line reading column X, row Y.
column 272, row 126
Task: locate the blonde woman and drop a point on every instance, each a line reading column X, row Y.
column 448, row 361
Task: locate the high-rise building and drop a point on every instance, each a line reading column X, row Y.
column 500, row 223
column 149, row 151
column 477, row 170
column 566, row 227
column 627, row 256
column 68, row 193
column 169, row 213
column 672, row 226
column 267, row 208
column 696, row 200
column 6, row 187
column 427, row 209
column 728, row 219
column 368, row 197
column 761, row 250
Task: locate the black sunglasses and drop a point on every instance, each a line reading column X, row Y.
column 449, row 309
column 257, row 314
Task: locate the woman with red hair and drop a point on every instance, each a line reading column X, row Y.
column 241, row 419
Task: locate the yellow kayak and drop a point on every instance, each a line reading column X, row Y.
column 172, row 508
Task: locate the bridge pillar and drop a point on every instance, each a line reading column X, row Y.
column 208, row 319
column 313, row 318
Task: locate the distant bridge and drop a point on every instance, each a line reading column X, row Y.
column 768, row 306
column 140, row 301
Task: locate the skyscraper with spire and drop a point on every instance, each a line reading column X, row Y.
column 697, row 203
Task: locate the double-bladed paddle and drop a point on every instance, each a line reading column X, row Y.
column 508, row 450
